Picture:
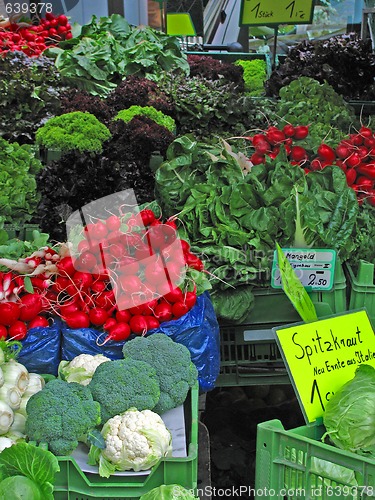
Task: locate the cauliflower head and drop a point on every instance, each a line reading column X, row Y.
column 135, row 440
column 172, row 363
column 81, row 368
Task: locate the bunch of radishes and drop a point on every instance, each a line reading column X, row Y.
column 269, row 143
column 33, row 39
column 19, row 310
column 114, row 278
column 25, row 298
column 355, row 155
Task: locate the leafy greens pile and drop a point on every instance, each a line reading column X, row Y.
column 27, row 471
column 29, row 95
column 305, row 101
column 233, row 219
column 346, row 62
column 109, row 49
column 18, row 194
column 213, row 107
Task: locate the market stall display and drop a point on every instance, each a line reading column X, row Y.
column 238, row 169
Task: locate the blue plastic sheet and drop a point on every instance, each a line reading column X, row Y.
column 41, row 348
column 198, row 330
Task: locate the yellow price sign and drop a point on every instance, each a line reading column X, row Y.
column 265, row 12
column 321, row 356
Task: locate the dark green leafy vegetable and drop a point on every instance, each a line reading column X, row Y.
column 108, row 49
column 350, row 413
column 15, row 248
column 27, row 471
column 364, row 237
column 307, row 102
column 233, row 218
column 211, row 108
column 29, row 95
column 346, row 62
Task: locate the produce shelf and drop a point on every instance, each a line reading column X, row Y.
column 72, row 483
column 249, row 353
column 362, row 288
column 297, row 460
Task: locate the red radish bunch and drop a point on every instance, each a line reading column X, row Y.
column 355, row 155
column 35, row 38
column 19, row 310
column 269, row 142
column 126, row 276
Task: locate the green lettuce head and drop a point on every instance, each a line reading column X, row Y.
column 349, row 417
column 27, row 472
column 168, row 492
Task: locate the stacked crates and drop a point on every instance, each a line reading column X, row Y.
column 249, row 353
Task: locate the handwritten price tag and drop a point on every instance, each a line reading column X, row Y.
column 265, row 12
column 322, row 355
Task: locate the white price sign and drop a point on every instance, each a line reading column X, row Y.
column 314, row 267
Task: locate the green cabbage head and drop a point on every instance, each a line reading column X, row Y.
column 349, row 417
column 168, row 492
column 19, row 488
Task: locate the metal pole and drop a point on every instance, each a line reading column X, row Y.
column 274, row 47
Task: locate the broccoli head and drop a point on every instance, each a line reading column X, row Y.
column 122, row 384
column 61, row 414
column 173, row 365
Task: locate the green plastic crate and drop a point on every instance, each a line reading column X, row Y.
column 250, row 356
column 24, row 232
column 248, row 352
column 46, row 156
column 297, row 460
column 362, row 288
column 273, row 306
column 71, row 483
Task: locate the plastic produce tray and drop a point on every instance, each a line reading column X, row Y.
column 72, row 483
column 290, row 463
column 248, row 352
column 362, row 288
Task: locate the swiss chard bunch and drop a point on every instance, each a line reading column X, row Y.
column 234, row 217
